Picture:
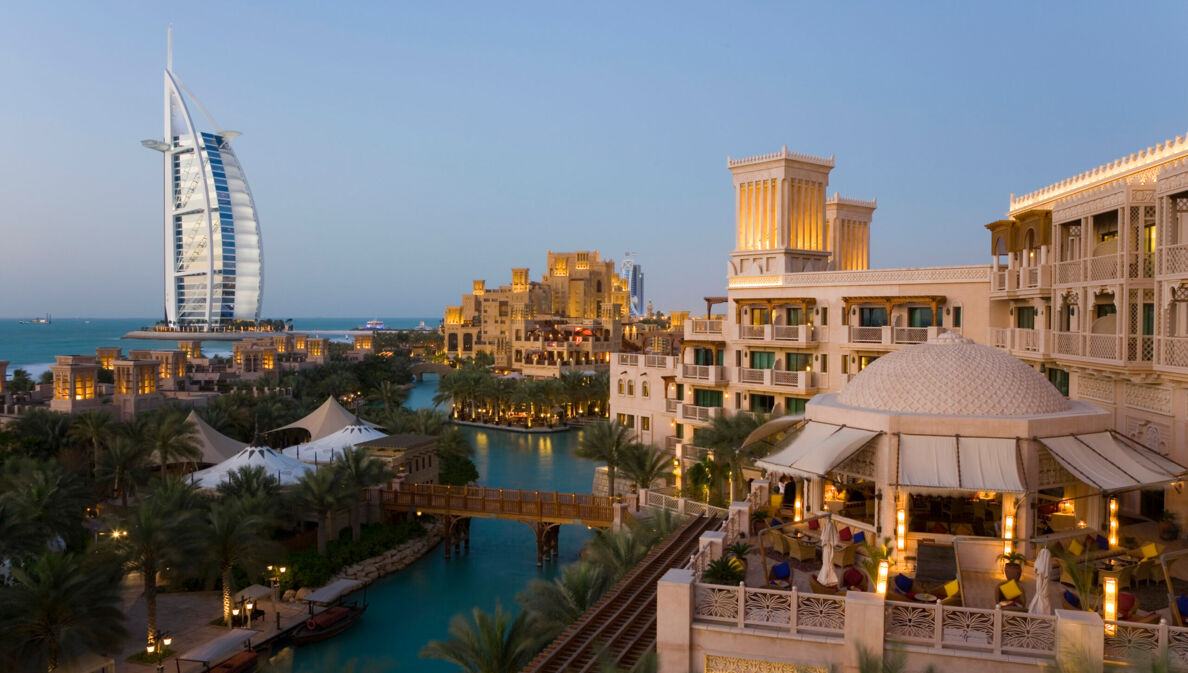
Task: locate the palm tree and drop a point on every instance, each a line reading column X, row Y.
column 49, row 499
column 125, row 465
column 497, row 643
column 645, row 463
column 94, row 427
column 319, row 492
column 553, row 606
column 21, row 381
column 234, row 536
column 605, row 441
column 452, row 441
column 250, row 481
column 154, row 536
column 43, row 433
column 359, row 471
column 616, row 552
column 18, row 536
column 391, row 394
column 58, row 608
column 726, row 436
column 172, row 438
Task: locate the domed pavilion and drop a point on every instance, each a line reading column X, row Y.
column 960, row 440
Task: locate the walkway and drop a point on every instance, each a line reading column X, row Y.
column 623, row 622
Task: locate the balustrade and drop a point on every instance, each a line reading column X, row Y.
column 791, row 379
column 960, row 628
column 693, row 412
column 711, row 373
column 865, row 335
column 910, row 335
column 753, row 331
column 1000, row 337
column 670, row 406
column 770, row 609
column 658, row 361
column 1174, row 259
column 1128, row 642
column 704, row 327
column 1174, row 351
column 1069, row 272
column 756, row 376
column 628, row 360
column 1104, row 267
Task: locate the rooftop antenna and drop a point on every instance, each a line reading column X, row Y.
column 169, row 49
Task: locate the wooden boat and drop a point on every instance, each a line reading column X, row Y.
column 241, row 663
column 328, row 623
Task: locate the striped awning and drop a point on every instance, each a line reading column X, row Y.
column 952, row 462
column 815, row 449
column 1112, row 462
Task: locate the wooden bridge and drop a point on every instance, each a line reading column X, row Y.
column 420, row 368
column 543, row 511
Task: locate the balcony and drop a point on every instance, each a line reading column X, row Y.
column 1173, row 259
column 799, row 334
column 801, row 382
column 670, row 406
column 1019, row 340
column 705, row 330
column 1173, row 351
column 892, row 336
column 1023, row 278
column 691, row 412
column 759, row 377
column 659, row 362
column 755, row 332
column 627, row 360
column 1092, row 346
column 713, row 375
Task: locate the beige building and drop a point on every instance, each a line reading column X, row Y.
column 569, row 320
column 75, row 383
column 1090, row 284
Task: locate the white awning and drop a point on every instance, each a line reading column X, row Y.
column 816, row 449
column 222, row 647
column 961, row 463
column 332, row 591
column 251, row 593
column 1111, row 462
column 773, row 427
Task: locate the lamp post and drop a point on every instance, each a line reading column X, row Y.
column 274, row 578
column 249, row 606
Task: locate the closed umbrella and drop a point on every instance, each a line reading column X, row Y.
column 1041, row 605
column 828, row 576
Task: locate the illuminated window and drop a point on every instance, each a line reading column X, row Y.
column 645, row 390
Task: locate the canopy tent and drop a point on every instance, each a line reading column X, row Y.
column 215, row 446
column 773, row 427
column 950, row 462
column 221, row 647
column 325, row 420
column 1111, row 462
column 816, row 449
column 330, row 447
column 333, row 590
column 288, row 470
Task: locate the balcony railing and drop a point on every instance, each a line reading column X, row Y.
column 960, row 628
column 710, row 373
column 770, row 609
column 1069, row 272
column 691, row 412
column 1096, row 346
column 1174, row 259
column 802, row 381
column 1018, row 339
column 798, row 333
column 1104, row 267
column 704, row 329
column 999, row 337
column 754, row 332
column 755, row 376
column 911, row 335
column 670, row 443
column 866, row 335
column 658, row 361
column 1128, row 642
column 670, row 406
column 628, row 360
column 1140, row 265
column 1174, row 351
column 999, row 279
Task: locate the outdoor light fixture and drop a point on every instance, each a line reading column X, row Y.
column 901, row 529
column 167, row 641
column 798, row 507
column 1008, row 534
column 150, row 648
column 418, row 512
column 1113, row 522
column 1109, row 608
column 881, row 584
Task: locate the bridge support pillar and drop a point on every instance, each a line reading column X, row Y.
column 541, row 532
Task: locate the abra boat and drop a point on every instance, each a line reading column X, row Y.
column 334, row 619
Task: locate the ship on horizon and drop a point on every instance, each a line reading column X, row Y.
column 38, row 321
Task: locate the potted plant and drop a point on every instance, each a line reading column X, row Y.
column 758, row 521
column 726, row 571
column 739, row 550
column 1168, row 529
column 1013, row 566
column 874, row 554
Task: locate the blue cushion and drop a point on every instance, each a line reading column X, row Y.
column 859, row 537
column 1102, row 543
column 775, row 522
column 1182, row 605
column 781, row 571
column 1072, row 599
column 903, row 583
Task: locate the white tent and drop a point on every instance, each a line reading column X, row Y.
column 216, row 447
column 287, row 470
column 330, row 447
column 325, row 420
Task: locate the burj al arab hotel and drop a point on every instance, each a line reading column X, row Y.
column 213, row 260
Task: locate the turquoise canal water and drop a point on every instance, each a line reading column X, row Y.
column 412, row 607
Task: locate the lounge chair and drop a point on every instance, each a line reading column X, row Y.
column 853, row 578
column 951, row 591
column 779, row 576
column 818, row 588
column 901, row 588
column 844, row 557
column 799, row 549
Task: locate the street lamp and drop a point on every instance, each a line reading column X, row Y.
column 249, row 605
column 234, row 614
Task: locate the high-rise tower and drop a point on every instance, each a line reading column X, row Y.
column 632, row 272
column 213, row 259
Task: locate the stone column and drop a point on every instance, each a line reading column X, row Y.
column 864, row 627
column 674, row 621
column 714, row 542
column 1079, row 642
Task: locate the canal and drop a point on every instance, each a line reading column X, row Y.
column 415, row 605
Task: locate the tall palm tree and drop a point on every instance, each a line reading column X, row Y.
column 49, row 499
column 391, row 394
column 645, row 463
column 428, row 422
column 616, row 552
column 605, row 441
column 124, row 465
column 43, row 433
column 172, row 438
column 726, row 436
column 153, row 536
column 553, row 606
column 94, row 427
column 18, row 537
column 58, row 608
column 21, row 381
column 359, row 471
column 498, row 643
column 234, row 535
column 452, row 441
column 320, row 492
column 250, row 481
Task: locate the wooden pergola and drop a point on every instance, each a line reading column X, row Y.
column 934, row 301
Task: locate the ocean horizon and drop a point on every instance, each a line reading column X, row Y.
column 33, row 347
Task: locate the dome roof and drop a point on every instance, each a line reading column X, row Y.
column 952, row 376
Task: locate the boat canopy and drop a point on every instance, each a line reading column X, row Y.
column 332, row 591
column 218, row 649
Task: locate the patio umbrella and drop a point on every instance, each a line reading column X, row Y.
column 1041, row 605
column 828, row 576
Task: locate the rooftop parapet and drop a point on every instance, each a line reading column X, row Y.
column 782, row 154
column 843, row 201
column 1159, row 153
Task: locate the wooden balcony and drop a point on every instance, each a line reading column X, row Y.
column 691, row 412
column 713, row 375
column 705, row 330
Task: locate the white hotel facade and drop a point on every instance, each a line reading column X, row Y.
column 1088, row 283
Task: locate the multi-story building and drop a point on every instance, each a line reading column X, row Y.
column 213, row 259
column 632, row 274
column 571, row 319
column 803, row 313
column 1090, row 284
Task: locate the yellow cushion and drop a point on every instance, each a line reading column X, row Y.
column 1010, row 590
column 776, row 500
column 1150, row 550
column 1076, row 548
column 736, row 564
column 951, row 589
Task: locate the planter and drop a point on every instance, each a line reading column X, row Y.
column 1168, row 530
column 1013, row 571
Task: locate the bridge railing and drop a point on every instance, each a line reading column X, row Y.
column 499, row 501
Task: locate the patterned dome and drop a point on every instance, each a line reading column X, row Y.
column 952, row 376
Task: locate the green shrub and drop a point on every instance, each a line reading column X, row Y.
column 306, row 568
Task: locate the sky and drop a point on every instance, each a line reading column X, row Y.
column 396, row 151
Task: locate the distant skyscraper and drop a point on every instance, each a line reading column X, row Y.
column 213, row 258
column 633, row 272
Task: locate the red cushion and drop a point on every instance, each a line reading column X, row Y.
column 814, row 525
column 938, row 527
column 1090, row 542
column 852, row 577
column 1126, row 603
column 845, row 535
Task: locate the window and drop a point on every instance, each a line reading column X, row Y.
column 1148, row 319
column 620, row 386
column 707, row 398
column 762, row 403
column 626, row 420
column 762, row 359
column 919, row 316
column 1059, row 378
column 704, row 357
column 631, row 387
column 679, row 433
column 645, row 389
column 797, row 362
column 824, row 315
column 824, row 363
column 956, row 316
column 872, row 317
column 794, row 405
column 645, row 423
column 845, row 362
column 1025, row 317
column 865, row 360
column 1105, row 309
column 759, row 316
column 794, row 316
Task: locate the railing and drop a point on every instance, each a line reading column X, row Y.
column 1068, row 343
column 866, row 335
column 1128, row 642
column 757, row 376
column 712, row 373
column 1103, row 267
column 910, row 335
column 1140, row 265
column 802, row 333
column 752, row 331
column 670, row 406
column 1000, row 281
column 1175, row 259
column 1175, row 351
column 1030, row 277
column 706, row 326
column 960, row 628
column 628, row 360
column 770, row 609
column 792, row 379
column 663, row 500
column 1000, row 337
column 496, row 501
column 1030, row 340
column 658, row 361
column 1069, row 272
column 695, row 413
column 1104, row 346
column 670, row 442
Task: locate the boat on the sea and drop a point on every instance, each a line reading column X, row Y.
column 423, row 328
column 372, row 324
column 38, row 321
column 334, row 619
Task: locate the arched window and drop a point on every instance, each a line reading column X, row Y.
column 1030, row 254
column 630, row 387
column 620, row 386
column 644, row 390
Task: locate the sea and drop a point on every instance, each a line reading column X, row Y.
column 33, row 347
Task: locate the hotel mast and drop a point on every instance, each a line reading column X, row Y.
column 213, row 259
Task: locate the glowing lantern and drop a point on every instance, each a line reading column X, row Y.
column 1008, row 534
column 881, row 584
column 901, row 529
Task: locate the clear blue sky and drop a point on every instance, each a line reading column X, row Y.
column 396, row 151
